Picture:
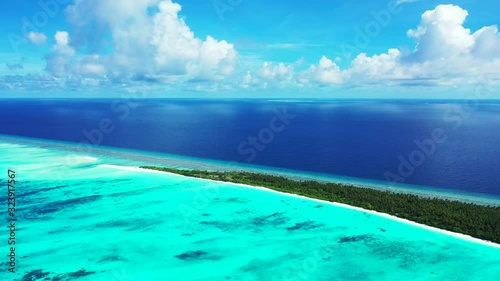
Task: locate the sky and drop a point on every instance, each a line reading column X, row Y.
column 250, row 48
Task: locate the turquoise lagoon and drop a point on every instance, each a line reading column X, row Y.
column 96, row 217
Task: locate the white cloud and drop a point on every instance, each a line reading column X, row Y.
column 446, row 53
column 60, row 55
column 276, row 72
column 143, row 38
column 62, row 38
column 486, row 42
column 325, row 72
column 148, row 40
column 90, row 66
column 441, row 34
column 247, row 80
column 178, row 51
column 37, row 38
column 377, row 67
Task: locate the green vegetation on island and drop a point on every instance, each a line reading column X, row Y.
column 475, row 220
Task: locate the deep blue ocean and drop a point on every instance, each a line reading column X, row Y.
column 450, row 145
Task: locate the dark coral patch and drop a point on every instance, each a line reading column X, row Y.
column 236, row 200
column 59, row 277
column 80, row 273
column 192, row 255
column 127, row 193
column 356, row 238
column 59, row 205
column 115, row 223
column 110, row 258
column 38, row 274
column 36, row 191
column 131, row 224
column 59, row 230
column 224, row 226
column 35, row 275
column 273, row 219
column 197, row 255
column 304, row 226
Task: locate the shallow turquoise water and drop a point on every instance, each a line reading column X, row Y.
column 119, row 224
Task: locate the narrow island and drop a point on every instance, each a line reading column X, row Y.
column 478, row 221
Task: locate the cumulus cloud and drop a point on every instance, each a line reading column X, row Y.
column 270, row 73
column 148, row 40
column 143, row 38
column 179, row 52
column 325, row 72
column 59, row 58
column 486, row 42
column 378, row 67
column 446, row 52
column 441, row 34
column 280, row 71
column 37, row 38
column 90, row 66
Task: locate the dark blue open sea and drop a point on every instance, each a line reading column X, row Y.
column 453, row 146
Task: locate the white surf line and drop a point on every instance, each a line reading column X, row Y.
column 446, row 232
column 33, row 143
column 61, row 145
column 131, row 168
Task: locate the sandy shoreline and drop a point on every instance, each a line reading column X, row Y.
column 446, row 232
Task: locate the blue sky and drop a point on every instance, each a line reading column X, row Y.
column 243, row 48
